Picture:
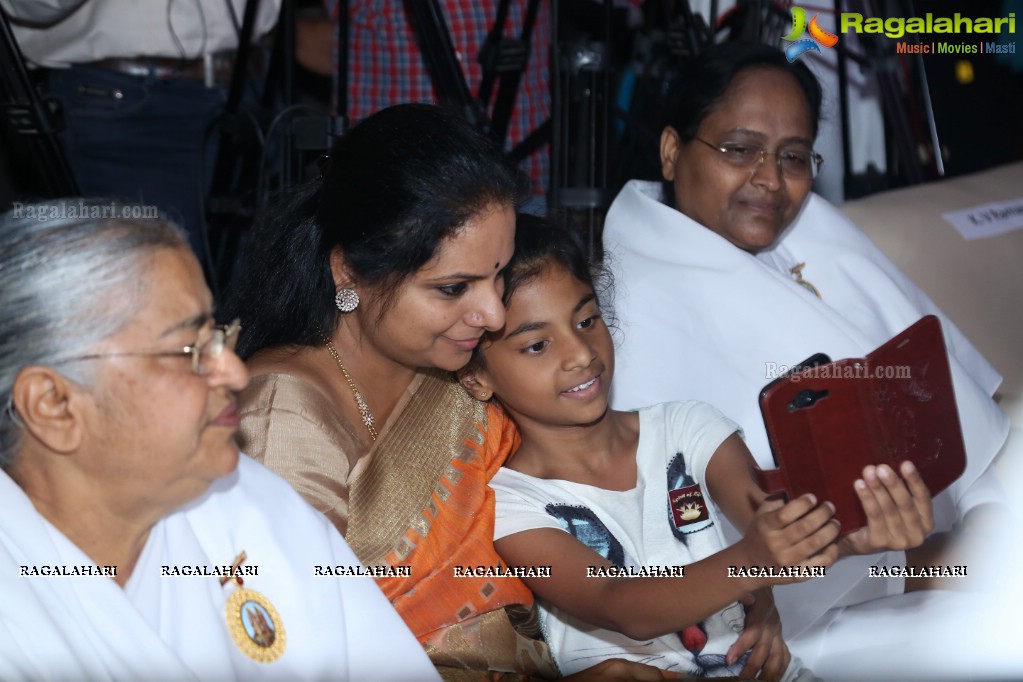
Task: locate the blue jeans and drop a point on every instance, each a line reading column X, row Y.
column 140, row 139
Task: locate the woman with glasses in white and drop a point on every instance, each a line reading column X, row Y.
column 733, row 267
column 135, row 542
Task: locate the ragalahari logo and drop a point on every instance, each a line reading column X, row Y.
column 818, row 36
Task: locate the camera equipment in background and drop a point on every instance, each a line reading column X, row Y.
column 503, row 61
column 270, row 154
column 33, row 160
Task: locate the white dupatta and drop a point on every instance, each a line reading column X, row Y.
column 63, row 628
column 167, row 627
column 701, row 319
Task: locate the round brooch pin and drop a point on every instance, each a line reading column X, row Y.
column 255, row 625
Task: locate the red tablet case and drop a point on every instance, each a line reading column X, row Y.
column 827, row 422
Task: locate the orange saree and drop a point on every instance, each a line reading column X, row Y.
column 416, row 497
column 423, row 502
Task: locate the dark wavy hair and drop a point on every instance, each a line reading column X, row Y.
column 398, row 184
column 540, row 243
column 706, row 77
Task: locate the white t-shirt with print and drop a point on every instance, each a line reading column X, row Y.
column 666, row 520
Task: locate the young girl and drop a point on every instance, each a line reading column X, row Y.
column 593, row 493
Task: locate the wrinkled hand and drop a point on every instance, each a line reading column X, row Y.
column 619, row 670
column 797, row 533
column 769, row 655
column 899, row 511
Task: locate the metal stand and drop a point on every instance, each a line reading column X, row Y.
column 241, row 183
column 580, row 96
column 239, row 179
column 906, row 133
column 585, row 154
column 580, row 100
column 30, row 125
column 229, row 208
column 503, row 59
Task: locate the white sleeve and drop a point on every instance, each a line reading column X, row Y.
column 985, row 489
column 347, row 619
column 517, row 508
column 42, row 12
column 699, row 429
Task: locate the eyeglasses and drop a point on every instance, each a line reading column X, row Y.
column 205, row 355
column 797, row 163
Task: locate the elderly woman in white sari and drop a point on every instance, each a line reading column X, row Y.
column 135, row 542
column 734, row 269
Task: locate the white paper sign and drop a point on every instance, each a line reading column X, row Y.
column 988, row 220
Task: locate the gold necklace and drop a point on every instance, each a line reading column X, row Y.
column 367, row 416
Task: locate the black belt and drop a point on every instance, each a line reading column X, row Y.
column 214, row 69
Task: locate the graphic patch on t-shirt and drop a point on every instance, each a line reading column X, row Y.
column 585, row 527
column 687, row 507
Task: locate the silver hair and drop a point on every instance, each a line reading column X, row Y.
column 72, row 273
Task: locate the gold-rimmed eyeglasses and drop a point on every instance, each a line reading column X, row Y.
column 204, row 354
column 797, row 163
